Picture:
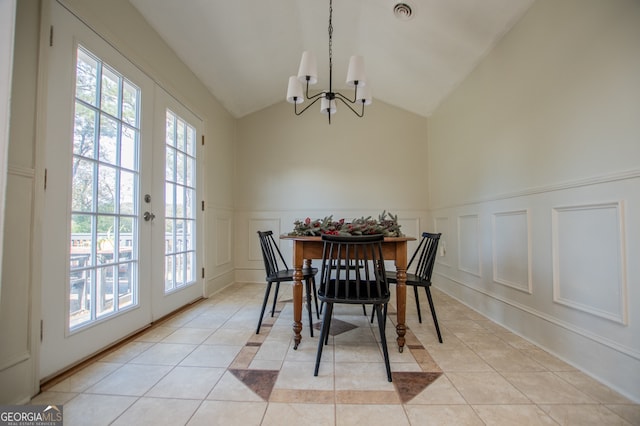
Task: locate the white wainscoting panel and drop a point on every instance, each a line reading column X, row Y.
column 512, row 249
column 469, row 244
column 589, row 259
column 582, row 238
column 223, row 241
column 441, row 225
column 15, row 320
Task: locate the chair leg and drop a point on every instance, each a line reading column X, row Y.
column 433, row 312
column 330, row 312
column 383, row 339
column 385, row 314
column 275, row 298
column 264, row 306
column 415, row 293
column 308, row 291
column 324, row 332
column 315, row 295
column 386, row 306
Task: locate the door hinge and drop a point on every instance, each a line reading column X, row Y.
column 51, row 36
column 45, row 179
column 41, row 329
column 202, row 140
column 202, row 205
column 202, row 272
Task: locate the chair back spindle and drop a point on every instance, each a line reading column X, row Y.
column 427, row 249
column 353, row 270
column 271, row 254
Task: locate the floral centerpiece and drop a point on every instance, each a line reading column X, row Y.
column 386, row 224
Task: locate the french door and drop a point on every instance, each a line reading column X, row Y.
column 176, row 181
column 120, row 222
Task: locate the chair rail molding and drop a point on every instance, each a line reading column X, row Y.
column 577, row 183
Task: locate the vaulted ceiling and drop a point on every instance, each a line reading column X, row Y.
column 245, row 50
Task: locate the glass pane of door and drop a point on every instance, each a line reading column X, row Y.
column 180, row 199
column 105, row 181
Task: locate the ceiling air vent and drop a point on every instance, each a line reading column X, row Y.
column 403, row 11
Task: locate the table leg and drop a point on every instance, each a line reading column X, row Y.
column 401, row 301
column 297, row 306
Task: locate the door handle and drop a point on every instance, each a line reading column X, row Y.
column 148, row 216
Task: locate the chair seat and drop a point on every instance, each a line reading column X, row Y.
column 368, row 293
column 287, row 274
column 412, row 279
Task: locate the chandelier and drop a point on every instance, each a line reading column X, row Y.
column 308, row 73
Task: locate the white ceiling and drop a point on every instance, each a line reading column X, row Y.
column 245, row 50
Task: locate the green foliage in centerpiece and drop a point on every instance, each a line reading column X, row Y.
column 386, row 224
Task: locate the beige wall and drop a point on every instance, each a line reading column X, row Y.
column 376, row 162
column 555, row 101
column 535, row 183
column 293, row 167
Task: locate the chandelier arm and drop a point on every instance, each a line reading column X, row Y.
column 361, row 114
column 344, row 98
column 316, row 96
column 312, row 96
column 295, row 106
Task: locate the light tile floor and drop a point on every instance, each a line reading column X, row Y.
column 206, row 366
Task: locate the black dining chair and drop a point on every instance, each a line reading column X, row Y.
column 352, row 272
column 420, row 275
column 277, row 271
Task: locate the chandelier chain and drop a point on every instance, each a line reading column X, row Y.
column 330, row 31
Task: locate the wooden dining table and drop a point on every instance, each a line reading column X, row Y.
column 305, row 249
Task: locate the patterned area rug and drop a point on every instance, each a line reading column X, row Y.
column 407, row 384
